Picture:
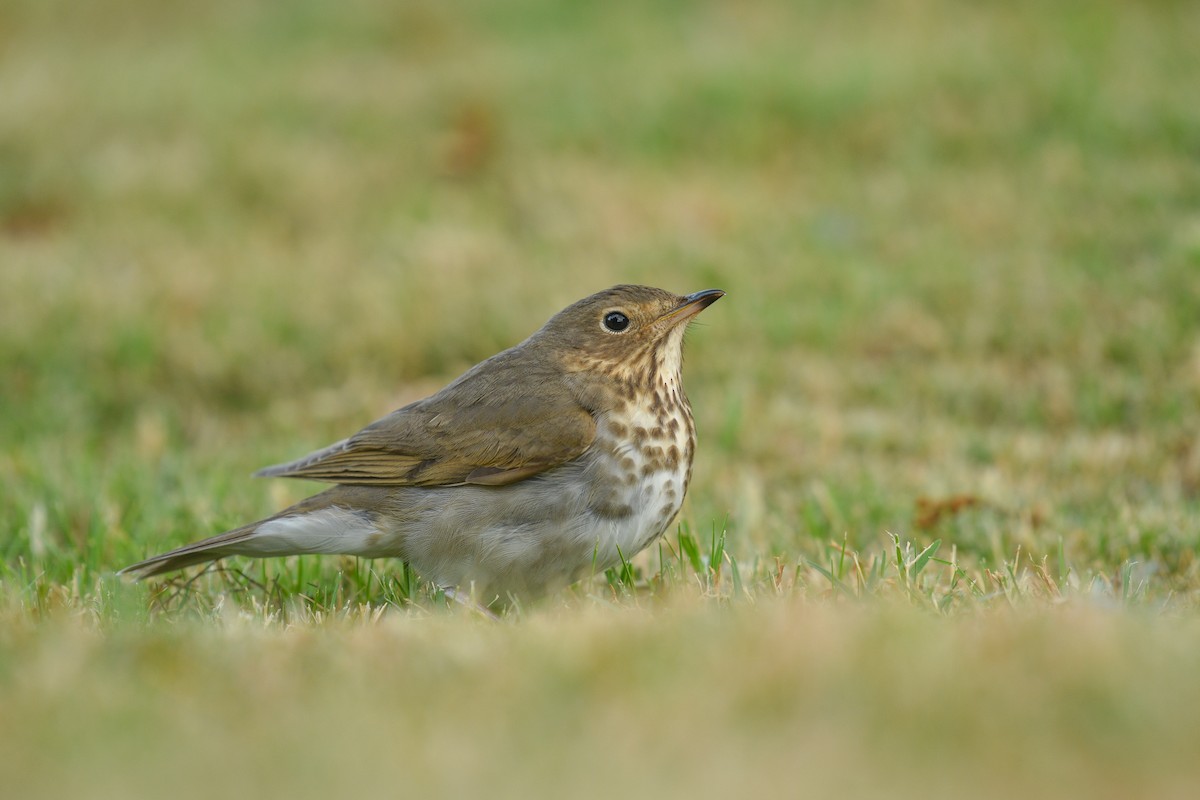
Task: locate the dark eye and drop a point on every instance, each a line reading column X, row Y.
column 615, row 321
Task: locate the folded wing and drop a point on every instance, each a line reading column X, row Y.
column 481, row 429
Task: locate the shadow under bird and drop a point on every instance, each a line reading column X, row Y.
column 547, row 462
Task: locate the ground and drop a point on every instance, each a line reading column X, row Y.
column 941, row 536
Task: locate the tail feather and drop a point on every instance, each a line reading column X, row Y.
column 333, row 521
column 210, row 549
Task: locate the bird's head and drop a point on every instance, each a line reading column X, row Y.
column 628, row 330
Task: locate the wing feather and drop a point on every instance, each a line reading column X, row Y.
column 501, row 422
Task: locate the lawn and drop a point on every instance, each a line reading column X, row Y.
column 941, row 536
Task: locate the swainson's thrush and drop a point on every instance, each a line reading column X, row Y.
column 552, row 459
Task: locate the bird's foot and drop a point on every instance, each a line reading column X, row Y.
column 466, row 600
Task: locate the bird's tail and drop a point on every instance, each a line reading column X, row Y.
column 210, row 549
column 334, row 521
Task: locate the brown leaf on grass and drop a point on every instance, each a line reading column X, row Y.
column 31, row 219
column 471, row 140
column 1187, row 461
column 930, row 511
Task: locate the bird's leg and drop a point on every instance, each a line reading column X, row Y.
column 468, row 601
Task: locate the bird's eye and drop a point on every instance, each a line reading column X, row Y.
column 615, row 321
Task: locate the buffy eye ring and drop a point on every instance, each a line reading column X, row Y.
column 615, row 321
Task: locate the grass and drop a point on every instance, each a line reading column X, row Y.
column 942, row 532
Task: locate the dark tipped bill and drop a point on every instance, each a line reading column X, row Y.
column 693, row 304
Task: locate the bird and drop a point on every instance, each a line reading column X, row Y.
column 559, row 457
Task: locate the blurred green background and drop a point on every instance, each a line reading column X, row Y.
column 961, row 242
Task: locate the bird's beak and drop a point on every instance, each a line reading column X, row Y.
column 692, row 305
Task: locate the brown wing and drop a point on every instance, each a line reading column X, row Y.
column 499, row 423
